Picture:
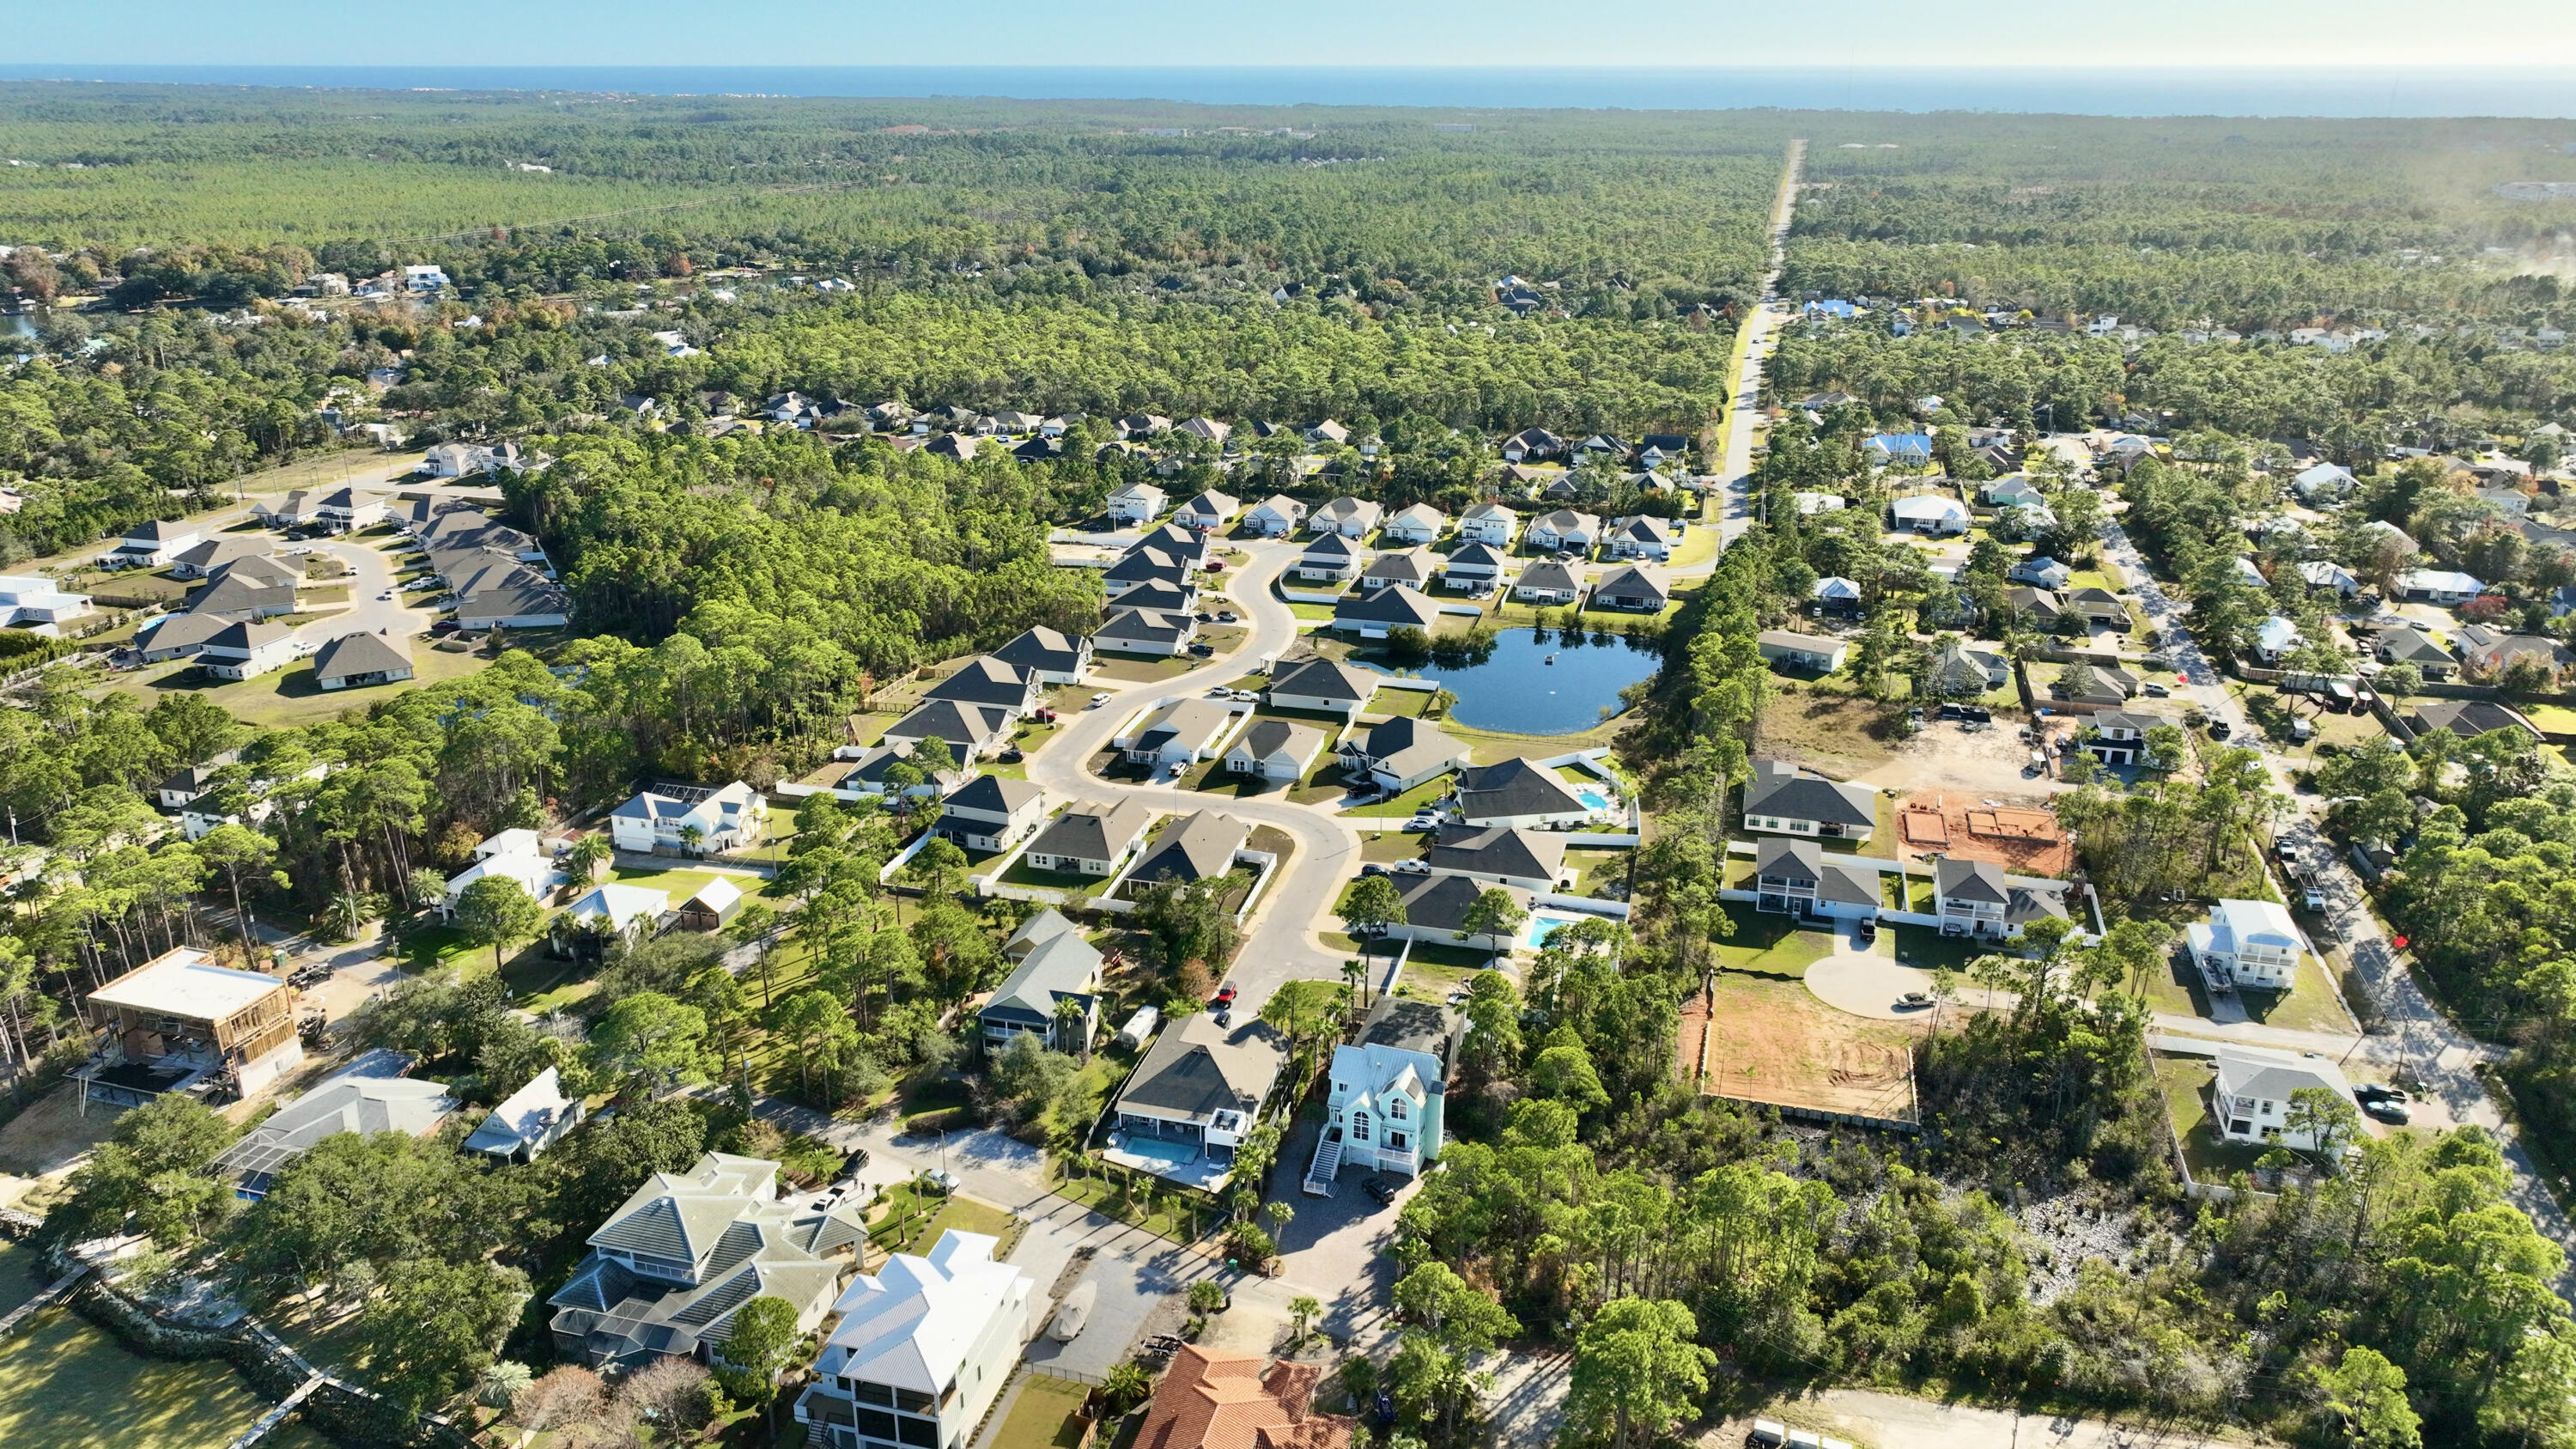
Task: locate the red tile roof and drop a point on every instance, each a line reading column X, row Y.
column 1217, row 1400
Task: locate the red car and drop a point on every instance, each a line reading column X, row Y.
column 1216, row 565
column 1225, row 995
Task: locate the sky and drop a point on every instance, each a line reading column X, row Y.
column 1516, row 33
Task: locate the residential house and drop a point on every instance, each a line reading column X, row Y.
column 1328, row 434
column 347, row 510
column 2274, row 638
column 1800, row 878
column 1210, row 510
column 2250, row 573
column 244, row 649
column 1177, row 732
column 2407, row 644
column 2040, row 571
column 1137, row 503
column 1520, row 794
column 507, row 594
column 2247, row 943
column 242, row 591
column 1380, row 613
column 1838, row 596
column 2438, row 586
column 1056, row 966
column 1219, row 1399
column 611, row 911
column 971, row 730
column 1090, row 839
column 2042, row 605
column 922, row 1351
column 1145, row 564
column 1474, row 567
column 1352, row 518
column 348, row 1102
column 2099, row 607
column 1821, row 652
column 1640, row 536
column 994, row 684
column 1811, row 504
column 1196, row 847
column 33, row 602
column 2013, row 490
column 1330, row 558
column 1158, row 632
column 1438, row 909
column 1489, row 523
column 2119, row 736
column 992, row 813
column 1532, row 443
column 152, row 543
column 1201, row 1088
column 1326, row 686
column 1407, row 568
column 1976, row 898
column 178, row 1020
column 1564, row 531
column 1533, row 860
column 464, row 460
column 1782, row 799
column 1641, row 588
column 692, row 821
column 1389, row 1091
column 1275, row 749
column 2490, row 653
column 1914, row 449
column 1049, row 655
column 1402, row 753
column 190, row 781
column 529, row 1120
column 668, row 1270
column 201, row 559
column 1276, row 516
column 513, row 855
column 2325, row 573
column 1659, row 448
column 712, row 908
column 357, row 661
column 2324, row 485
column 2251, row 1099
column 1207, row 430
column 2469, row 718
column 1418, row 524
column 1929, row 513
column 1546, row 581
column 1140, row 426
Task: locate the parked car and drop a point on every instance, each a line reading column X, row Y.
column 2392, row 1113
column 1244, row 696
column 1203, row 650
column 940, row 1179
column 1225, row 995
column 2381, row 1092
column 1045, row 716
column 1423, row 822
column 1204, row 617
column 2157, row 691
column 1914, row 1000
column 1380, row 1189
column 1373, row 868
column 1865, row 930
column 2220, row 729
column 1012, row 756
column 1415, row 865
column 1225, row 616
column 1098, row 700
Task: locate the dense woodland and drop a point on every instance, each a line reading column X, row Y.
column 738, row 595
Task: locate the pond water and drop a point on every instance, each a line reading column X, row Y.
column 1514, row 689
column 15, row 324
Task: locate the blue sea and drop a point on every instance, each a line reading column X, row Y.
column 2123, row 91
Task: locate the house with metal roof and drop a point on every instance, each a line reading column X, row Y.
column 528, row 1121
column 1385, row 1109
column 923, row 1349
column 1782, row 799
column 668, row 1269
column 2247, row 943
column 345, row 1103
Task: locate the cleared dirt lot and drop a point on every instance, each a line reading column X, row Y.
column 2025, row 840
column 1970, row 765
column 1775, row 1042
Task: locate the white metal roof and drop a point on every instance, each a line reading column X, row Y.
column 187, row 983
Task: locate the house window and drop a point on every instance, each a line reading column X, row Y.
column 1395, row 1109
column 1395, row 1141
column 1359, row 1127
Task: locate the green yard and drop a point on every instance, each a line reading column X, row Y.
column 1403, row 806
column 1773, row 945
column 2185, row 1081
column 290, row 697
column 2309, row 1005
column 912, row 1221
column 1046, row 1415
column 66, row 1384
column 1926, row 947
column 1024, row 874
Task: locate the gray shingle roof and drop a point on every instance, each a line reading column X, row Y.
column 1200, row 1068
column 355, row 654
column 1499, row 850
column 1200, row 847
column 1783, row 790
column 1094, row 833
column 1324, row 679
column 1513, row 788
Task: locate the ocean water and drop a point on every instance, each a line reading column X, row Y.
column 2526, row 91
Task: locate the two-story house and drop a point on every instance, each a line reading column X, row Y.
column 2247, row 943
column 2119, row 736
column 1489, row 523
column 1389, row 1092
column 1798, row 878
column 2251, row 1098
column 923, row 1348
column 1404, row 568
column 992, row 813
column 694, row 821
column 1197, row 1094
column 1329, row 558
column 1475, row 566
column 1055, row 965
column 995, row 684
column 1135, row 504
column 1976, row 898
column 1052, row 656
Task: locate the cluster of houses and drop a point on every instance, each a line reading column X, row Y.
column 497, row 576
column 1389, row 584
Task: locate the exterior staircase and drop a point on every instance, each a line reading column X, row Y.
column 1328, row 1162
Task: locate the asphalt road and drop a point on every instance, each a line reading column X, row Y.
column 371, row 573
column 2416, row 1033
column 1735, row 471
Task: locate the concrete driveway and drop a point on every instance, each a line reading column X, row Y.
column 371, row 572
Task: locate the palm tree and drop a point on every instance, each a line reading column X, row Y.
column 691, row 837
column 1355, row 975
column 1073, row 1022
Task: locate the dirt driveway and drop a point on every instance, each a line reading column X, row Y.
column 1966, row 762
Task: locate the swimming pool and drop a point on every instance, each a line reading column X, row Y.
column 1158, row 1149
column 1591, row 800
column 1541, row 927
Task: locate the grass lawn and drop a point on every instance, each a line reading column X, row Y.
column 290, row 697
column 966, row 1215
column 1046, row 1415
column 867, row 729
column 2551, row 719
column 2185, row 1081
column 1592, row 867
column 2309, row 1005
column 1390, row 703
column 1434, row 980
column 1166, row 1214
column 1771, row 944
column 2175, row 987
column 1928, row 948
column 1138, row 669
column 66, row 1384
column 1022, row 873
column 1403, row 806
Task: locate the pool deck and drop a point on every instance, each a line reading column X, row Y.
column 1198, row 1171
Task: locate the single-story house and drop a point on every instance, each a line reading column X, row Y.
column 2438, row 586
column 529, row 1120
column 2247, row 943
column 1958, row 670
column 1802, row 651
column 1929, row 513
column 1090, row 839
column 1419, row 524
column 2013, row 490
column 1489, row 523
column 610, row 909
column 1638, row 587
column 1197, row 847
column 2470, row 718
column 1640, row 535
column 2491, row 653
column 2406, row 644
column 1533, row 860
column 2040, row 571
column 355, row 661
column 1386, row 610
column 971, row 730
column 1565, row 530
column 1327, row 686
column 1209, row 510
column 1177, row 732
column 2325, row 573
column 1811, row 504
column 176, row 636
column 1202, row 1086
column 2042, row 605
column 1053, row 656
column 1837, row 595
column 1275, row 749
column 1157, row 632
column 1351, row 518
column 203, row 558
column 1519, row 794
column 1436, row 907
column 1276, row 516
column 2274, row 638
column 349, row 1102
column 1800, row 878
column 992, row 813
column 1531, row 443
column 2324, row 483
column 1404, row 568
column 1331, row 558
column 1548, row 582
column 1782, row 799
column 1402, row 753
column 715, row 904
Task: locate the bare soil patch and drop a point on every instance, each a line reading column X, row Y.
column 2021, row 838
column 1776, row 1043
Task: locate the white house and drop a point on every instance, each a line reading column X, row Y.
column 1641, row 536
column 992, row 813
column 1276, row 516
column 1404, row 568
column 1489, row 523
column 1210, row 510
column 1437, row 907
column 513, row 855
column 1352, row 518
column 1330, row 558
column 2247, row 943
column 1162, row 633
column 152, row 543
column 2040, row 571
column 1836, row 594
column 33, row 601
column 1137, row 503
column 1930, row 513
column 1798, row 878
column 697, row 821
column 2119, row 736
column 1565, row 530
column 1090, row 839
column 1389, row 1092
column 1976, row 898
column 1326, row 686
column 355, row 661
column 2325, row 573
column 1811, row 504
column 1534, row 860
column 1418, row 524
column 1275, row 749
column 529, row 1121
column 994, row 684
column 1474, row 566
column 2324, row 483
column 1401, row 753
column 1177, row 732
column 2438, row 586
column 2251, row 1098
column 1546, row 581
column 247, row 649
column 2274, row 638
column 1822, row 652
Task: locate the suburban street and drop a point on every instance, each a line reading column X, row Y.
column 2416, row 1033
column 1744, row 410
column 371, row 572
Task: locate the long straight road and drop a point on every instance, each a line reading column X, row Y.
column 1753, row 343
column 2417, row 1033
